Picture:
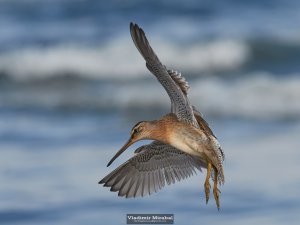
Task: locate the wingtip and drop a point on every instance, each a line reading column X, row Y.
column 134, row 27
column 101, row 181
column 131, row 25
column 132, row 30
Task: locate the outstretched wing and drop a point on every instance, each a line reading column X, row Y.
column 150, row 169
column 180, row 105
column 183, row 85
column 180, row 81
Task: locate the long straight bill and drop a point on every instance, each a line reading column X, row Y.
column 128, row 143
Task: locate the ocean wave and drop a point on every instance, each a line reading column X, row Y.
column 118, row 59
column 255, row 96
column 258, row 95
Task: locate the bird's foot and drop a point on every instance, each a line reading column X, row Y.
column 206, row 184
column 216, row 191
column 207, row 190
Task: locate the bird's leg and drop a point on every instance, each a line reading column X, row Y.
column 206, row 184
column 216, row 190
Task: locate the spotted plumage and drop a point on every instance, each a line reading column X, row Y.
column 183, row 140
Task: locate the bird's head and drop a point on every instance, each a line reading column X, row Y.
column 142, row 130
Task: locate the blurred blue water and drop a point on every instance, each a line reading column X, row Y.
column 72, row 84
column 51, row 165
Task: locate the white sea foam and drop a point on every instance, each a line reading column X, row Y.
column 119, row 59
column 257, row 95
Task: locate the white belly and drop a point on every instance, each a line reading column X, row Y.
column 188, row 144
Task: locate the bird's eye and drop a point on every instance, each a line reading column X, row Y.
column 134, row 131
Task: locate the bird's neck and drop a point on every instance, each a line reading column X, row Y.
column 179, row 134
column 163, row 129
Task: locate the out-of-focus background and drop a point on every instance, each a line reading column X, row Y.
column 72, row 85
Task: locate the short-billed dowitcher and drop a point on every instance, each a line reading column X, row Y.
column 182, row 142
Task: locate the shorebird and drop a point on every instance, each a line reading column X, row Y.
column 182, row 142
